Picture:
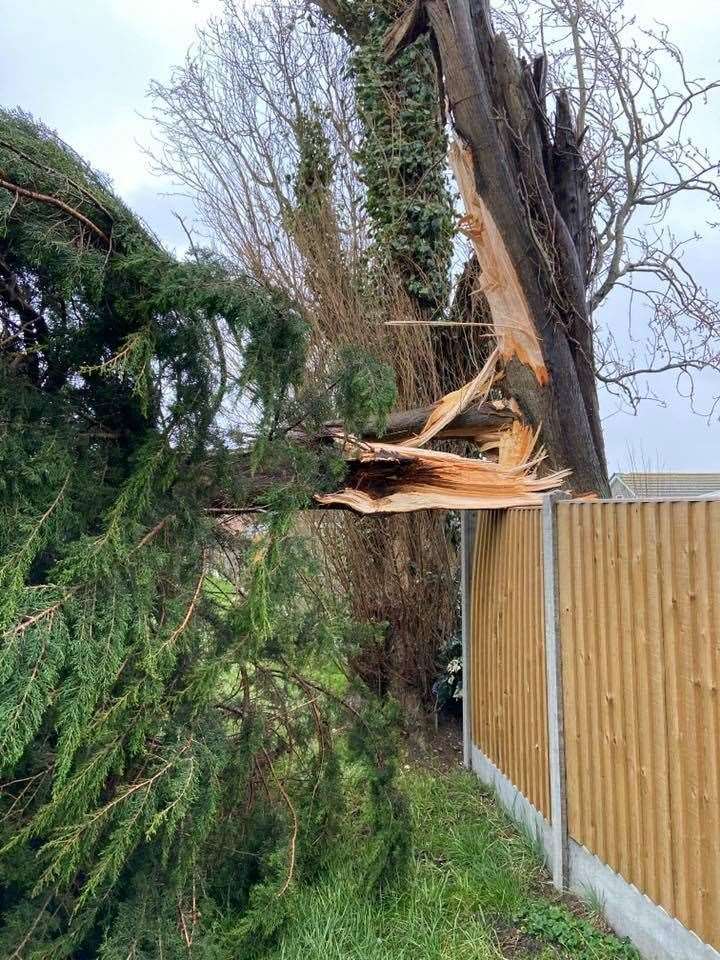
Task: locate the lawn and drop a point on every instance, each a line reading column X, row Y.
column 476, row 891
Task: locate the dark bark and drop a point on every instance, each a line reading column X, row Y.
column 33, row 336
column 24, row 342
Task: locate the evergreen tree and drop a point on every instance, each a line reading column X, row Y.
column 171, row 762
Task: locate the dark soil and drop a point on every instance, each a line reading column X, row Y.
column 512, row 942
column 437, row 749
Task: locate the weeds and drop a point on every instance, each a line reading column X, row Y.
column 575, row 936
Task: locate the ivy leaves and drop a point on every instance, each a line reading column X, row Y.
column 402, row 162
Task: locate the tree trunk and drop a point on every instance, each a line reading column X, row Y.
column 525, row 193
column 475, row 424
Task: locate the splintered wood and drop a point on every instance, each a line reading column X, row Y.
column 395, row 479
column 511, row 318
column 398, row 478
column 516, row 446
column 448, row 407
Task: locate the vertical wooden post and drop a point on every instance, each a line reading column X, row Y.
column 468, row 523
column 553, row 665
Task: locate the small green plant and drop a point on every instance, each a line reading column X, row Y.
column 595, row 902
column 533, row 839
column 365, row 390
column 557, row 926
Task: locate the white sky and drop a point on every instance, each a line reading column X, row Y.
column 83, row 67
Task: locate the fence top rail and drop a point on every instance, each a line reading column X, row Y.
column 584, row 502
column 629, row 500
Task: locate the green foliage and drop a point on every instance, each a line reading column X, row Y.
column 374, row 744
column 402, row 162
column 448, row 686
column 365, row 391
column 316, row 167
column 556, row 925
column 167, row 775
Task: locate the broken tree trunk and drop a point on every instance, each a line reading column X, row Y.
column 385, row 478
column 525, row 193
column 397, row 478
column 391, row 477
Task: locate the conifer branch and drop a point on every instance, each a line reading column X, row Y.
column 60, row 204
column 191, row 608
column 92, row 197
column 48, row 611
column 17, row 953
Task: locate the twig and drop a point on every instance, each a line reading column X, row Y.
column 293, row 814
column 16, row 954
column 190, row 610
column 30, row 621
column 439, row 323
column 154, row 532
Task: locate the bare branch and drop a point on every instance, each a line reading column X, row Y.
column 632, row 96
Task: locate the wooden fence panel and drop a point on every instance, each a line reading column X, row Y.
column 639, row 586
column 508, row 693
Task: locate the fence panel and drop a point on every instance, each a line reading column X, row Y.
column 639, row 590
column 508, row 686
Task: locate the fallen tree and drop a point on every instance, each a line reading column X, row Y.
column 171, row 766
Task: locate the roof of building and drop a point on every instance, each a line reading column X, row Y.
column 629, row 485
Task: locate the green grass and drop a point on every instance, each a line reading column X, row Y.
column 476, row 891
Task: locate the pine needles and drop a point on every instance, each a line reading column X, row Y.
column 170, row 764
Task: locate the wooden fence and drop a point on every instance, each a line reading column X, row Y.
column 637, row 587
column 510, row 716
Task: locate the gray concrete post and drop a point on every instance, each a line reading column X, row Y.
column 553, row 664
column 468, row 523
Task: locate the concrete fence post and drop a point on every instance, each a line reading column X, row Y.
column 468, row 523
column 553, row 665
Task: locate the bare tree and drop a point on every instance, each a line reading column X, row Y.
column 228, row 128
column 632, row 99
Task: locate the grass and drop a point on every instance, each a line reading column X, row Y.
column 475, row 892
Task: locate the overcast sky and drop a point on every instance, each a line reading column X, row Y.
column 83, row 67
